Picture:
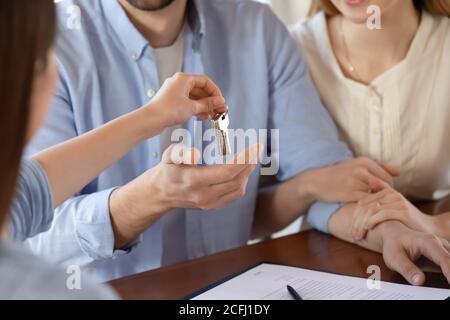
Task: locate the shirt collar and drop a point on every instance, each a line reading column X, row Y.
column 196, row 17
column 130, row 37
column 133, row 40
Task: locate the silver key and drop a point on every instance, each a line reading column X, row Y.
column 220, row 123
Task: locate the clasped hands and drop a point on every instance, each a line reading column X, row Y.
column 404, row 232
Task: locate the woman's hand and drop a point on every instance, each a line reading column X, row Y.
column 184, row 96
column 349, row 181
column 385, row 205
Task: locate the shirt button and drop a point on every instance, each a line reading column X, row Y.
column 151, row 93
column 154, row 155
column 134, row 56
column 376, row 131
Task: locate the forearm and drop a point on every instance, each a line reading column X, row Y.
column 130, row 213
column 73, row 164
column 281, row 205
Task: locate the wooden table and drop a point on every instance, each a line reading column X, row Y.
column 310, row 249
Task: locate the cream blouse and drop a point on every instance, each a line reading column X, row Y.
column 403, row 117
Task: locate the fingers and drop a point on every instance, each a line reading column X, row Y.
column 434, row 249
column 238, row 183
column 365, row 209
column 358, row 231
column 379, row 172
column 249, row 156
column 393, row 171
column 219, row 195
column 446, row 245
column 376, row 185
column 230, row 197
column 245, row 161
column 371, row 182
column 210, row 105
column 402, row 263
column 378, row 208
column 181, row 154
column 382, row 216
column 197, row 94
column 219, row 190
column 205, row 84
column 373, row 198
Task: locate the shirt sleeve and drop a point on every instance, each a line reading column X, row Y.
column 32, row 209
column 320, row 213
column 87, row 216
column 308, row 137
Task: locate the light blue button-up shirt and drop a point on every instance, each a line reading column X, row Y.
column 107, row 69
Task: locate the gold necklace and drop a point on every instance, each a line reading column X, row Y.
column 351, row 68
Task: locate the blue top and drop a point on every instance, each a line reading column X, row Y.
column 107, row 69
column 23, row 275
column 32, row 210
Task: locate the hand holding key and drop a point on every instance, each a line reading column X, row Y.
column 184, row 96
column 204, row 187
column 178, row 182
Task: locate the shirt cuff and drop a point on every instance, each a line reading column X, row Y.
column 94, row 229
column 320, row 214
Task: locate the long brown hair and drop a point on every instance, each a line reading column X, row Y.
column 435, row 7
column 27, row 29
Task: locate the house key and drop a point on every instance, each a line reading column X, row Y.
column 220, row 123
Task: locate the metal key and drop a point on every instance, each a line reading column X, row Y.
column 220, row 123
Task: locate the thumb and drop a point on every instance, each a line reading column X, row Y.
column 402, row 264
column 376, row 185
column 393, row 171
column 181, row 154
column 210, row 105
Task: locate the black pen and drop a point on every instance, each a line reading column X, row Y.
column 293, row 293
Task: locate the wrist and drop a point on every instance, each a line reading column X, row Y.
column 148, row 121
column 380, row 233
column 307, row 188
column 132, row 210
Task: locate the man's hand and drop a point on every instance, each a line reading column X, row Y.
column 401, row 247
column 349, row 181
column 182, row 184
column 184, row 96
column 177, row 182
column 389, row 204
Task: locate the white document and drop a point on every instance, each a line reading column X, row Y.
column 268, row 282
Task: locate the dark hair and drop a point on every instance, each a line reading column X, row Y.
column 27, row 30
